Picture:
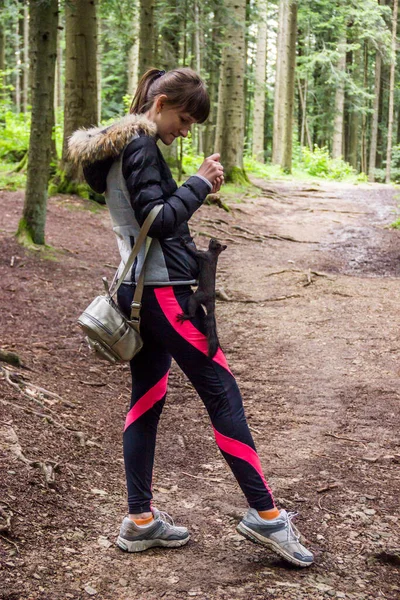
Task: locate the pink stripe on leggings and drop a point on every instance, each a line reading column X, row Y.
column 171, row 308
column 153, row 395
column 241, row 450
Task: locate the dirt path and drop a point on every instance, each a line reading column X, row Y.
column 312, row 336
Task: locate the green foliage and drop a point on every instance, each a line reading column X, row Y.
column 319, row 163
column 396, row 224
column 10, row 180
column 14, row 138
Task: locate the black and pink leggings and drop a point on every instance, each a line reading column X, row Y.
column 165, row 338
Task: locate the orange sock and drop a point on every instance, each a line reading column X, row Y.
column 142, row 522
column 272, row 513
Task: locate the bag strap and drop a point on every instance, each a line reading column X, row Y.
column 136, row 304
column 136, row 248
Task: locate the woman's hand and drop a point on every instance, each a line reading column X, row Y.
column 212, row 170
column 217, row 185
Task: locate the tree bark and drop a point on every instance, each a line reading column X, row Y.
column 80, row 96
column 213, row 68
column 43, row 51
column 289, row 104
column 364, row 122
column 25, row 67
column 391, row 92
column 280, row 84
column 133, row 56
column 197, row 36
column 375, row 118
column 146, row 44
column 260, row 84
column 284, row 85
column 354, row 115
column 337, row 142
column 230, row 118
column 17, row 89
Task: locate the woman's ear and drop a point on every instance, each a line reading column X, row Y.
column 160, row 102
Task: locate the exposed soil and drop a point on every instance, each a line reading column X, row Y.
column 311, row 332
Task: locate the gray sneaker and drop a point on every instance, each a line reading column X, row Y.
column 279, row 534
column 161, row 532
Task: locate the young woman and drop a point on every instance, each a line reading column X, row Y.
column 124, row 162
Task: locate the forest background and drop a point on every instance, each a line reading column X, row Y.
column 307, row 88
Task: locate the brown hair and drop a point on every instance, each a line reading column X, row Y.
column 183, row 87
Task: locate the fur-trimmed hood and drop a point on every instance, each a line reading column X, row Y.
column 99, row 143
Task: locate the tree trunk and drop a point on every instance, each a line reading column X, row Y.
column 375, row 118
column 260, row 84
column 289, row 100
column 230, row 119
column 364, row 122
column 391, row 92
column 280, row 83
column 43, row 51
column 17, row 89
column 58, row 95
column 133, row 57
column 338, row 143
column 213, row 69
column 354, row 114
column 25, row 67
column 284, row 85
column 197, row 35
column 80, row 99
column 146, row 44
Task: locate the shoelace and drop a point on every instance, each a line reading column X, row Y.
column 163, row 516
column 293, row 534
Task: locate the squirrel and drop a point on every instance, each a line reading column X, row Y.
column 205, row 293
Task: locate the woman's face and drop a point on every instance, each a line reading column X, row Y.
column 171, row 122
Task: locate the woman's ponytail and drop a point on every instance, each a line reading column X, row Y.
column 140, row 101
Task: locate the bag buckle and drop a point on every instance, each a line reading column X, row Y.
column 135, row 311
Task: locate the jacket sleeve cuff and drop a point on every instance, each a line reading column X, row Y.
column 204, row 179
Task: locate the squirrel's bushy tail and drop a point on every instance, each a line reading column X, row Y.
column 212, row 337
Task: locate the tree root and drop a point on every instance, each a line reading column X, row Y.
column 9, row 441
column 10, row 542
column 78, row 434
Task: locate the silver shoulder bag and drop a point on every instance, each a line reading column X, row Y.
column 109, row 333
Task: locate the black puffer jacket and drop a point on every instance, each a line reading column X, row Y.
column 130, row 169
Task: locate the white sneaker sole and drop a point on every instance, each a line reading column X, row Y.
column 142, row 545
column 257, row 538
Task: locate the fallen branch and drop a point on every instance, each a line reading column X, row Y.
column 347, row 439
column 278, row 299
column 222, row 295
column 209, row 480
column 93, row 383
column 326, row 488
column 254, row 429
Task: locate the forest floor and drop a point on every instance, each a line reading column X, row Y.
column 311, row 333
